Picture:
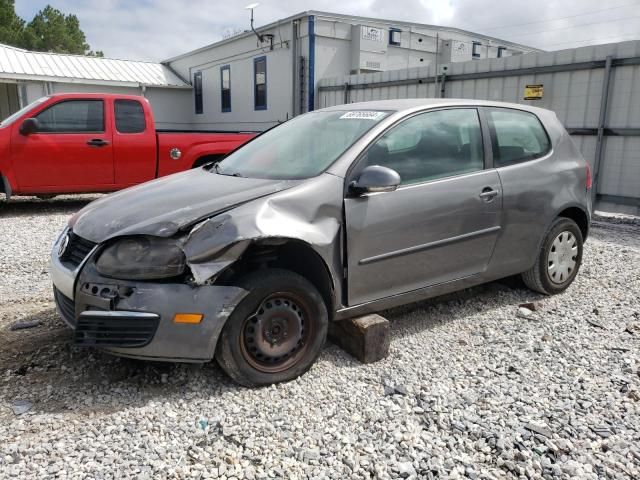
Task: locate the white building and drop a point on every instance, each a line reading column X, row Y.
column 26, row 76
column 254, row 80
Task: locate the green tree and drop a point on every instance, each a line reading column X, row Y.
column 11, row 25
column 49, row 31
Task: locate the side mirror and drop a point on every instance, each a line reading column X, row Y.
column 375, row 178
column 29, row 126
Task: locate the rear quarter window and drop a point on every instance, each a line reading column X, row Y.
column 516, row 136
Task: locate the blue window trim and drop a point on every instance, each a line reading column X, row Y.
column 312, row 64
column 222, row 69
column 500, row 50
column 198, row 102
column 255, row 61
column 391, row 32
column 474, row 53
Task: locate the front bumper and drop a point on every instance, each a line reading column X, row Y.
column 135, row 319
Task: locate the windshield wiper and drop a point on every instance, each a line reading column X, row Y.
column 217, row 169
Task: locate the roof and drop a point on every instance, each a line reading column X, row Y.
column 416, row 103
column 351, row 18
column 19, row 64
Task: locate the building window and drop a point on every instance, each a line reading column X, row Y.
column 395, row 36
column 500, row 51
column 225, row 88
column 260, row 83
column 475, row 52
column 197, row 90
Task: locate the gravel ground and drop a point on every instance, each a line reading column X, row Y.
column 474, row 387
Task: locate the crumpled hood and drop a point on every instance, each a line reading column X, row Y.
column 164, row 206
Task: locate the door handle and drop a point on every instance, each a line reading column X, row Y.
column 97, row 142
column 488, row 194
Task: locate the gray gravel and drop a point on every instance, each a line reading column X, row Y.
column 474, row 386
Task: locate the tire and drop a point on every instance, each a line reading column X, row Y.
column 558, row 259
column 276, row 332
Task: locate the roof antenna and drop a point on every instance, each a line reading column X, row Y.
column 261, row 37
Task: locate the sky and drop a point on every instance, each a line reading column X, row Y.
column 158, row 29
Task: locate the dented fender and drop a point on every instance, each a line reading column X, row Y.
column 215, row 243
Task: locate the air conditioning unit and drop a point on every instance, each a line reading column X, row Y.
column 369, row 48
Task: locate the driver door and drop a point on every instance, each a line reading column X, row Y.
column 72, row 149
column 442, row 222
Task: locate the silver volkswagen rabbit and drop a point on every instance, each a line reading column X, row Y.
column 336, row 213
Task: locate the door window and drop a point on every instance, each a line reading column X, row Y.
column 517, row 136
column 72, row 116
column 129, row 116
column 431, row 145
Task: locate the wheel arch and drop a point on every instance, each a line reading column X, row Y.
column 578, row 215
column 5, row 186
column 289, row 254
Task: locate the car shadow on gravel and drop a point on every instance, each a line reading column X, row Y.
column 31, row 206
column 427, row 314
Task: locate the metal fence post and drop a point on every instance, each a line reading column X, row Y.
column 601, row 125
column 347, row 87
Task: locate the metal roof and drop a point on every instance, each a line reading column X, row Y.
column 19, row 64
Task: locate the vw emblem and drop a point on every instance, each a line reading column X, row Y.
column 63, row 245
column 175, row 153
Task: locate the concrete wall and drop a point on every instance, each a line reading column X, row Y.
column 575, row 96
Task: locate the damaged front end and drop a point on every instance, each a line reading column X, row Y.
column 133, row 290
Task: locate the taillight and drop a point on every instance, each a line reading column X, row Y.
column 589, row 178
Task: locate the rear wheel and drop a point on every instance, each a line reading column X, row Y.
column 276, row 332
column 558, row 260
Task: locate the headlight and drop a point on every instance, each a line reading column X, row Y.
column 142, row 258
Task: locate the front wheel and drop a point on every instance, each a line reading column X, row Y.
column 558, row 259
column 276, row 332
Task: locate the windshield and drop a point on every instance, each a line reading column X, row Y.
column 302, row 147
column 20, row 112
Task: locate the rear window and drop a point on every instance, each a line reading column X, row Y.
column 129, row 116
column 517, row 136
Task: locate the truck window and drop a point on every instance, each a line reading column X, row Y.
column 72, row 116
column 129, row 116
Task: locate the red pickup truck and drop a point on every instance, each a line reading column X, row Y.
column 81, row 143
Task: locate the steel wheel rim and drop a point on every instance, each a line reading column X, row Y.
column 562, row 257
column 277, row 335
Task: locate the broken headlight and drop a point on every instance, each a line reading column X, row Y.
column 142, row 258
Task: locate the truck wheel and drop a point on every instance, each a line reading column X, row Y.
column 276, row 332
column 558, row 259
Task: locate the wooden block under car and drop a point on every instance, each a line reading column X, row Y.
column 367, row 338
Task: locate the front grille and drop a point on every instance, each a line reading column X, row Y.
column 77, row 250
column 66, row 306
column 115, row 332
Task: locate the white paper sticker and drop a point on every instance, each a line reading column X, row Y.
column 363, row 115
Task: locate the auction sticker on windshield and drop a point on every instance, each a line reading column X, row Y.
column 363, row 115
